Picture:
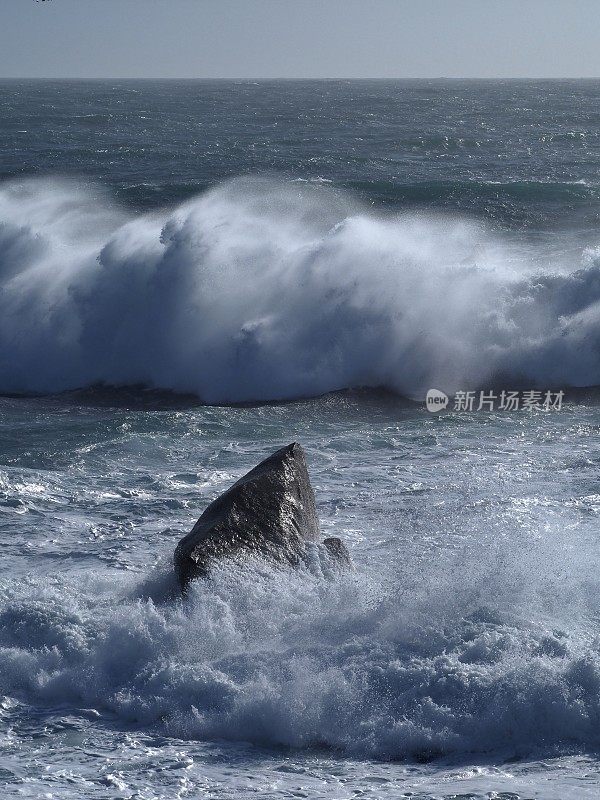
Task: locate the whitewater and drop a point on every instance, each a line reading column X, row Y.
column 462, row 655
column 195, row 274
column 258, row 290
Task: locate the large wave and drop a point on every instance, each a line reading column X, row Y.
column 261, row 290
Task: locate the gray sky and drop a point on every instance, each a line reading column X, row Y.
column 300, row 38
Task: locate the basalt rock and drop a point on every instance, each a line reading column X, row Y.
column 269, row 512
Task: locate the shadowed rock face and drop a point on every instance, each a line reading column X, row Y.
column 270, row 512
column 338, row 552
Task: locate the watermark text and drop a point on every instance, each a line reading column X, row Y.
column 531, row 400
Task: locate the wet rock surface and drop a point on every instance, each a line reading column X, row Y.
column 270, row 511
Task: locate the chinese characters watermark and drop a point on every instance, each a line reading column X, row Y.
column 531, row 400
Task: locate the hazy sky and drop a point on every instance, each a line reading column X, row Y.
column 300, row 38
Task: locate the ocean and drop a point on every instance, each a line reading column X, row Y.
column 193, row 274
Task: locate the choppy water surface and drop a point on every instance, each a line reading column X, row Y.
column 461, row 659
column 264, row 242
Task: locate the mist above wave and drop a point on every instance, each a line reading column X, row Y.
column 260, row 290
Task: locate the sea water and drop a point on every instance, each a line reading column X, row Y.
column 260, row 263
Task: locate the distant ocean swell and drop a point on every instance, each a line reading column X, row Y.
column 259, row 290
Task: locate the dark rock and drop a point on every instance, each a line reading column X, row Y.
column 338, row 552
column 270, row 512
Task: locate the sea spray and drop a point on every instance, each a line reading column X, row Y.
column 261, row 290
column 279, row 657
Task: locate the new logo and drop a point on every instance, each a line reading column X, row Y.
column 436, row 400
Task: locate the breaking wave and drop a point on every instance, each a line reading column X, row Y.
column 285, row 660
column 258, row 290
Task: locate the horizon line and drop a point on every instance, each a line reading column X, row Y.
column 297, row 79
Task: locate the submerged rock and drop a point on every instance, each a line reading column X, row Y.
column 270, row 512
column 338, row 552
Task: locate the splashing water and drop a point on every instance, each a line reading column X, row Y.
column 258, row 290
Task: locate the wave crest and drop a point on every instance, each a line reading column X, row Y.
column 259, row 290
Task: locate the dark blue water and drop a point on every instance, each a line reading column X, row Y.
column 523, row 154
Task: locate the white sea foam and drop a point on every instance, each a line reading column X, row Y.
column 260, row 290
column 286, row 659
